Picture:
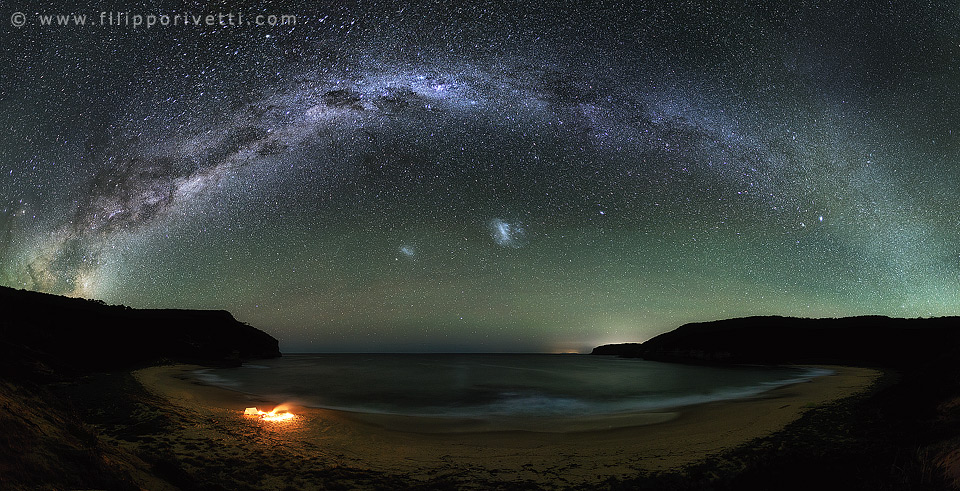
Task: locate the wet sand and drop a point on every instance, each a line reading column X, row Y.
column 557, row 453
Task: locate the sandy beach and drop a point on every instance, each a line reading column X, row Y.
column 559, row 454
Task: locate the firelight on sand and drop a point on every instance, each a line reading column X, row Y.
column 278, row 413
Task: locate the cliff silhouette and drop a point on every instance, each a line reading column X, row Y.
column 42, row 333
column 60, row 357
column 904, row 433
column 868, row 340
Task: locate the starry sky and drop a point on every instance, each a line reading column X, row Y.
column 488, row 176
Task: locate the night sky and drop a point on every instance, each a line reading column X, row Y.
column 493, row 177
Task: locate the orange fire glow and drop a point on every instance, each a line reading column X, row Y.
column 278, row 413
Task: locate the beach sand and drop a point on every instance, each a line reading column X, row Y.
column 557, row 454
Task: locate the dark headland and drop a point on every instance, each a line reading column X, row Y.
column 73, row 335
column 64, row 372
column 904, row 434
column 867, row 341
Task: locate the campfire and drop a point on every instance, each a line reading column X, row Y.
column 278, row 413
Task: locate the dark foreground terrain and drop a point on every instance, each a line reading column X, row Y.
column 904, row 434
column 51, row 347
column 71, row 421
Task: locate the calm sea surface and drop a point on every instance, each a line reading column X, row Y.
column 489, row 385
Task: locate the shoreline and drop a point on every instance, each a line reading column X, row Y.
column 657, row 442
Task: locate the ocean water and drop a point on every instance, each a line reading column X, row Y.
column 495, row 385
